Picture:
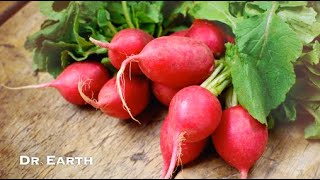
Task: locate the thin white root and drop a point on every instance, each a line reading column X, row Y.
column 176, row 157
column 118, row 82
column 81, row 85
column 49, row 84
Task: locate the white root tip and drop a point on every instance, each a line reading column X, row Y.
column 243, row 174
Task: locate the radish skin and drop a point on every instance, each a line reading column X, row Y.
column 192, row 119
column 163, row 93
column 230, row 39
column 209, row 33
column 240, row 140
column 197, row 117
column 180, row 33
column 94, row 74
column 136, row 93
column 171, row 61
column 125, row 43
column 187, row 152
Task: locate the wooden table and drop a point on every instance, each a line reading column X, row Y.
column 41, row 123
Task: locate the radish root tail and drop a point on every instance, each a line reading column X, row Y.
column 100, row 43
column 176, row 156
column 49, row 84
column 120, row 80
column 243, row 174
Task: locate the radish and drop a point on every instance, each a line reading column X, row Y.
column 163, row 93
column 240, row 139
column 180, row 33
column 173, row 61
column 192, row 119
column 194, row 114
column 94, row 74
column 187, row 153
column 136, row 93
column 230, row 39
column 125, row 43
column 209, row 33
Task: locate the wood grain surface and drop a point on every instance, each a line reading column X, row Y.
column 40, row 122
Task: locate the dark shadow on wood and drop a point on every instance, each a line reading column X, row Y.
column 11, row 11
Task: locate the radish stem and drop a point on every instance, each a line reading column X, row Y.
column 127, row 14
column 112, row 27
column 213, row 75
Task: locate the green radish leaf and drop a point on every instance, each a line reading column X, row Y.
column 147, row 12
column 256, row 8
column 237, row 8
column 54, row 10
column 262, row 71
column 290, row 110
column 214, row 10
column 52, row 52
column 146, row 15
column 88, row 10
column 310, row 91
column 313, row 130
column 265, row 5
column 313, row 56
column 303, row 21
column 103, row 19
column 182, row 9
column 287, row 111
column 292, row 3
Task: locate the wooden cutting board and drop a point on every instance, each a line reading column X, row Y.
column 40, row 123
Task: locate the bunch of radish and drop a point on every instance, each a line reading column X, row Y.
column 182, row 71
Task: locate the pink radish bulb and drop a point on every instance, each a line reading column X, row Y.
column 125, row 43
column 194, row 114
column 173, row 61
column 180, row 33
column 136, row 93
column 240, row 139
column 187, row 153
column 94, row 74
column 209, row 33
column 163, row 93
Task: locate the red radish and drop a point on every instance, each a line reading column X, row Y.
column 66, row 83
column 180, row 33
column 136, row 93
column 173, row 61
column 230, row 39
column 163, row 93
column 240, row 139
column 125, row 43
column 194, row 113
column 209, row 33
column 187, row 153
